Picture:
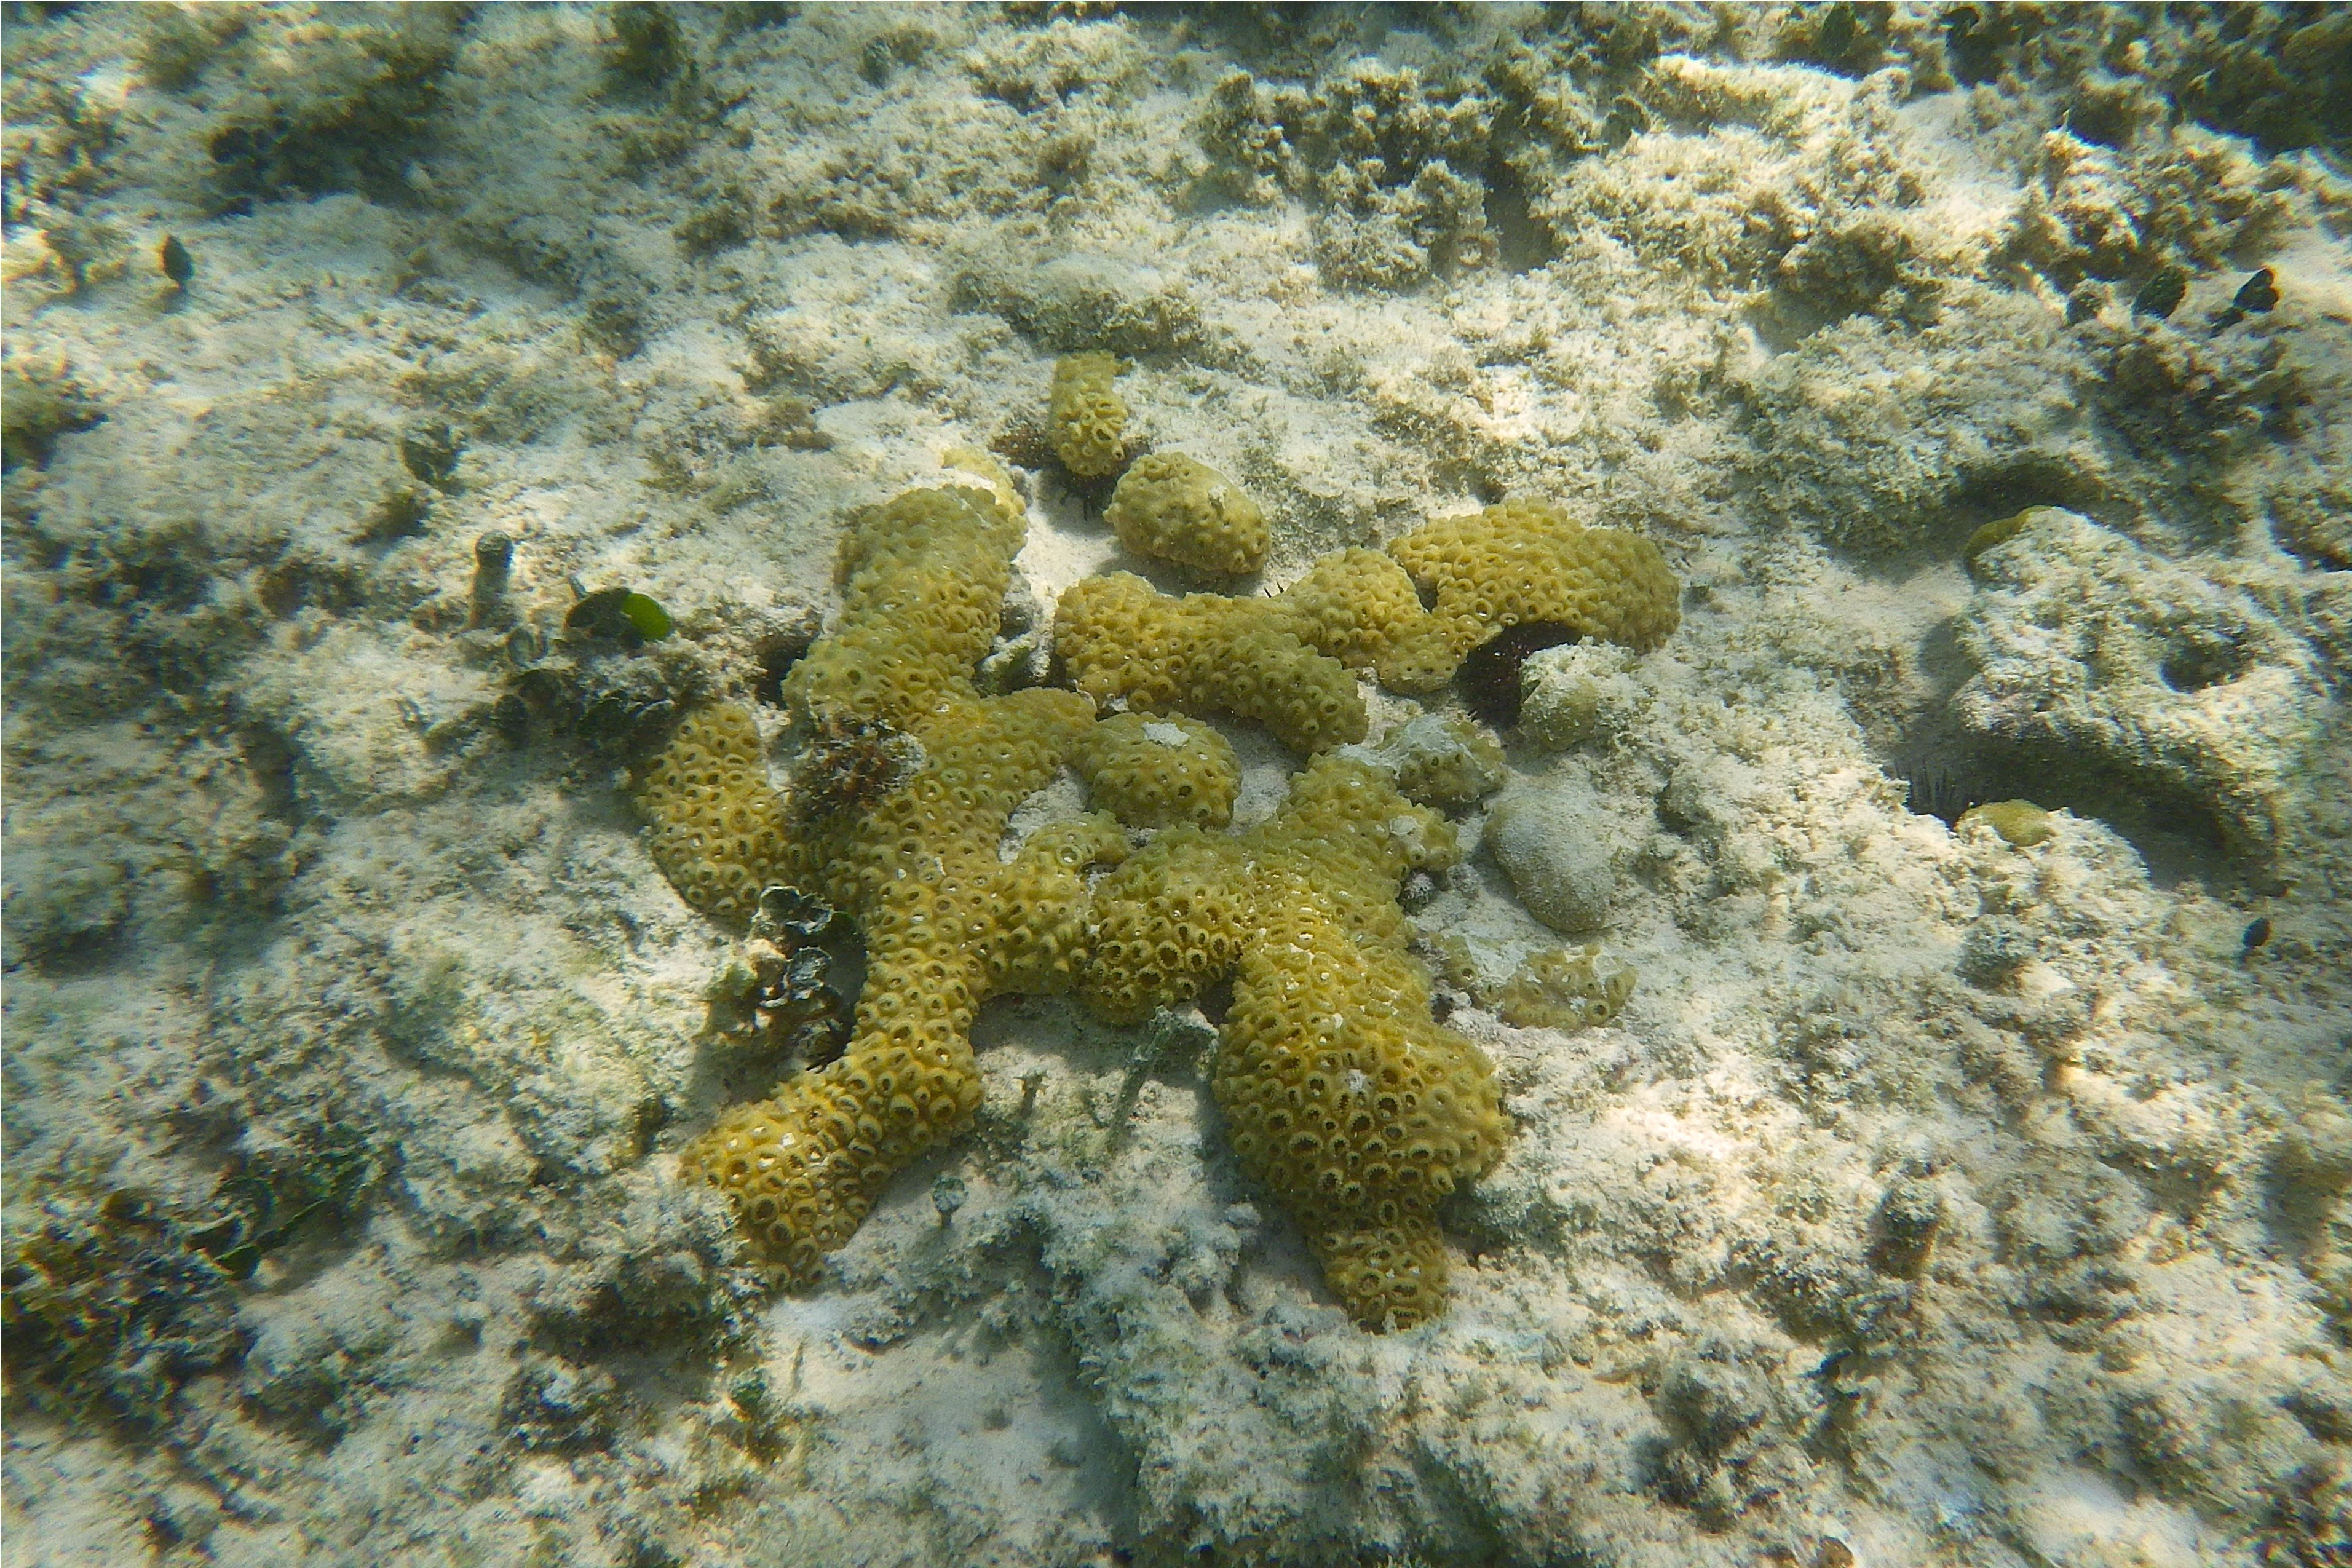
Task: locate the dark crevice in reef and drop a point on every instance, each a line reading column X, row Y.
column 1489, row 676
column 1522, row 244
column 1948, row 771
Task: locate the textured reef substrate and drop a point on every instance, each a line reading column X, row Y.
column 414, row 415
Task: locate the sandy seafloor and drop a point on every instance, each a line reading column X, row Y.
column 1935, row 1200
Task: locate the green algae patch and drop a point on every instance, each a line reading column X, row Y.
column 2020, row 822
column 2000, row 531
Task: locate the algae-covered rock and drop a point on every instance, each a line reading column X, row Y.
column 1556, row 845
column 1440, row 759
column 1573, row 694
column 36, row 406
column 341, row 98
column 2019, row 822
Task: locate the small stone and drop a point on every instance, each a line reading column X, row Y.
column 1907, row 1219
column 1555, row 850
column 177, row 263
column 2162, row 294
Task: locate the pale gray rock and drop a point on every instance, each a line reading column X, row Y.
column 2181, row 676
column 1556, row 845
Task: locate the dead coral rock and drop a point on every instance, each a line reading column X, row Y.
column 2092, row 647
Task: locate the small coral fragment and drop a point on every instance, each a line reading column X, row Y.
column 718, row 828
column 1341, row 1095
column 1088, row 419
column 1152, row 772
column 1170, row 507
column 37, row 405
column 1561, row 989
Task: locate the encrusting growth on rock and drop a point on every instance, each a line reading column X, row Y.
column 1342, row 1096
column 1088, row 419
column 1173, row 508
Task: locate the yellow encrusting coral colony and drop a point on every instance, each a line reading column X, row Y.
column 1177, row 509
column 1284, row 660
column 1343, row 1098
column 1089, row 419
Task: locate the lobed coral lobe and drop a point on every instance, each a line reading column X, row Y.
column 1171, row 507
column 1284, row 660
column 1340, row 1094
column 1088, row 416
column 947, row 922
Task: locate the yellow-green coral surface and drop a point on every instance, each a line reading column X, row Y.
column 1339, row 1092
column 1178, row 508
column 1342, row 1096
column 1284, row 660
column 1088, row 415
column 947, row 922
